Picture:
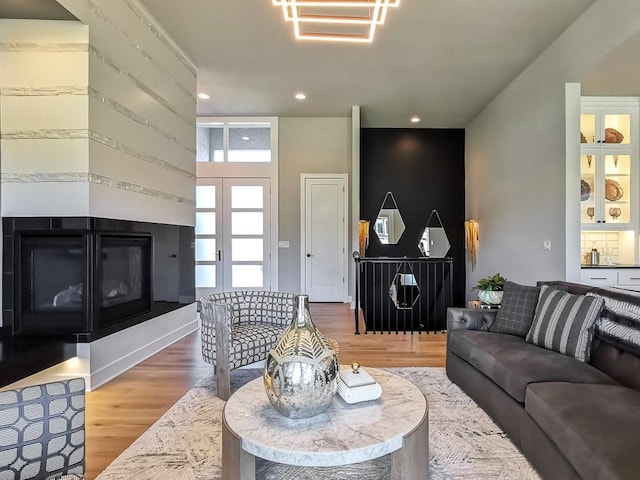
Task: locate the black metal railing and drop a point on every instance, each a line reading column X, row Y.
column 408, row 295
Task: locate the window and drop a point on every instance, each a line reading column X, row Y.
column 234, row 142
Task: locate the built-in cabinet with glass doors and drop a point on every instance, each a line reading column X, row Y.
column 609, row 179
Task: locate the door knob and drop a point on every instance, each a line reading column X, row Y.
column 308, row 255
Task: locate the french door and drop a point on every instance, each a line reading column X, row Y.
column 232, row 235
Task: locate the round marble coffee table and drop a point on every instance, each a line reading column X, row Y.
column 396, row 423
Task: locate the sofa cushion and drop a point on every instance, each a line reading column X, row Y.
column 517, row 309
column 594, row 426
column 513, row 364
column 564, row 322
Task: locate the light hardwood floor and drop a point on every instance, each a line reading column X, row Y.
column 120, row 411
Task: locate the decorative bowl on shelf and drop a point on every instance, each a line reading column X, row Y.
column 612, row 190
column 615, row 212
column 585, row 190
column 611, row 135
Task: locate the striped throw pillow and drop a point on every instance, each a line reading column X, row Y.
column 564, row 322
column 620, row 321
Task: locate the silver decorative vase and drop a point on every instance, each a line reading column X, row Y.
column 301, row 373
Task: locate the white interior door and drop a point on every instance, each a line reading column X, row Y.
column 324, row 232
column 232, row 235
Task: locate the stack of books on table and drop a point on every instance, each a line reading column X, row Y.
column 357, row 385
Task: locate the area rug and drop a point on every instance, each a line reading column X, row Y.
column 185, row 443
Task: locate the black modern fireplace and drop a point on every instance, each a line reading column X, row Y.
column 80, row 281
column 84, row 278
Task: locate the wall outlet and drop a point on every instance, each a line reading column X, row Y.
column 546, row 245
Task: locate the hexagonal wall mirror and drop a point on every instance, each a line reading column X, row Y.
column 434, row 242
column 389, row 225
column 404, row 291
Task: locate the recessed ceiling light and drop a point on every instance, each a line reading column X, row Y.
column 300, row 96
column 245, row 138
column 204, row 96
column 415, row 119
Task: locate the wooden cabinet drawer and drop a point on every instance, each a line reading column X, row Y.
column 629, row 276
column 599, row 276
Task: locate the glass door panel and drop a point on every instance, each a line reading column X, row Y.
column 205, row 279
column 617, row 205
column 247, row 250
column 247, row 223
column 246, row 246
column 588, row 189
column 617, row 128
column 247, row 276
column 247, row 196
column 205, row 223
column 206, row 196
column 206, row 249
column 208, row 232
column 588, row 128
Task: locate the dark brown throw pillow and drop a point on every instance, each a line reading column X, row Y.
column 517, row 310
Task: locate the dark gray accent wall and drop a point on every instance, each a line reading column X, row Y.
column 424, row 169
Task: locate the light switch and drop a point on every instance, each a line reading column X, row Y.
column 546, row 245
column 283, row 244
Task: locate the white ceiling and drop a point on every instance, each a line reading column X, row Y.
column 442, row 60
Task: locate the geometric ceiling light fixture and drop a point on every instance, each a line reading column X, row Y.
column 335, row 20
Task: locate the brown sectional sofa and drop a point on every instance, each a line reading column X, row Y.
column 572, row 420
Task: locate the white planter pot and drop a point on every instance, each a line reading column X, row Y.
column 491, row 297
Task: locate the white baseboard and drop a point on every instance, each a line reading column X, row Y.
column 141, row 342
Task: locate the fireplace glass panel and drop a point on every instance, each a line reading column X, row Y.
column 53, row 277
column 122, row 274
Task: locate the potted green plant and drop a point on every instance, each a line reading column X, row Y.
column 490, row 289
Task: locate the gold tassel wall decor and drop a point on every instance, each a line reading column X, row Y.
column 472, row 238
column 363, row 236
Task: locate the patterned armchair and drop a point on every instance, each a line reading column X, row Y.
column 240, row 327
column 42, row 431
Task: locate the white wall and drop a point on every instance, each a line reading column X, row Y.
column 120, row 103
column 516, row 151
column 43, row 91
column 306, row 145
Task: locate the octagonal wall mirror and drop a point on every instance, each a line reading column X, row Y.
column 404, row 290
column 389, row 225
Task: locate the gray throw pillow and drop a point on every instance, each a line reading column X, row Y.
column 564, row 322
column 516, row 310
